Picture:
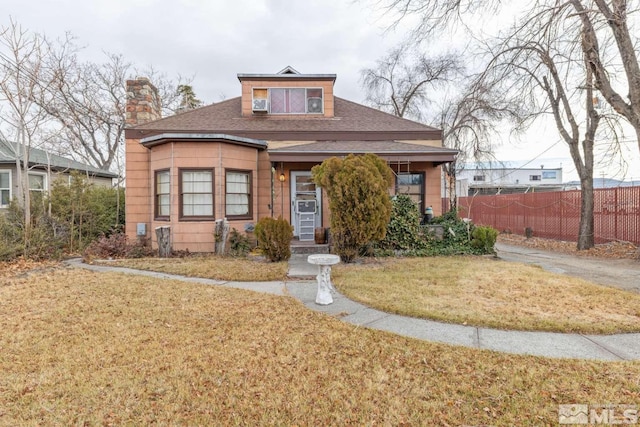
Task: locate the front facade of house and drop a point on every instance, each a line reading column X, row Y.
column 44, row 169
column 251, row 156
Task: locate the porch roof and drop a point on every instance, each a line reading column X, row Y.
column 388, row 150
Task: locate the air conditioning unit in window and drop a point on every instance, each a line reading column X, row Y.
column 260, row 105
column 314, row 105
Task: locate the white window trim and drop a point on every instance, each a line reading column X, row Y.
column 9, row 171
column 45, row 184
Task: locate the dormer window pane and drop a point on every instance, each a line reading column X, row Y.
column 278, row 101
column 295, row 101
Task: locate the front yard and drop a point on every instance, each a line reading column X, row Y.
column 478, row 291
column 102, row 348
column 210, row 267
column 482, row 291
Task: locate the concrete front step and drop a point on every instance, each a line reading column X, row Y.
column 304, row 248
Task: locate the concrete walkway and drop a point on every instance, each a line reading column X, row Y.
column 303, row 287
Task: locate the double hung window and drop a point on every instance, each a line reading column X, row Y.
column 196, row 193
column 238, row 194
column 162, row 196
column 5, row 188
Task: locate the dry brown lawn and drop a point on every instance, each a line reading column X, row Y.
column 481, row 291
column 82, row 348
column 211, row 267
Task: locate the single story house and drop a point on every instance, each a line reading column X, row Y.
column 44, row 168
column 251, row 156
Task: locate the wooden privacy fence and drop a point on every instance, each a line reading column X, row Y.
column 556, row 215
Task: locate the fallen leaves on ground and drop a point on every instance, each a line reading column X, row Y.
column 18, row 266
column 482, row 291
column 83, row 348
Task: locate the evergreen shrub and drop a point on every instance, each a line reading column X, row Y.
column 274, row 238
column 484, row 239
column 403, row 230
column 239, row 244
column 358, row 191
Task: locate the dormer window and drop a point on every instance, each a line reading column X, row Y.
column 288, row 100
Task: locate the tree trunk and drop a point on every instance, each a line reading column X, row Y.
column 453, row 190
column 586, row 231
column 221, row 235
column 164, row 241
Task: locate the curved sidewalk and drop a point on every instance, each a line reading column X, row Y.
column 596, row 347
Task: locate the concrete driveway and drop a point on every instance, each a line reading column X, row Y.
column 619, row 273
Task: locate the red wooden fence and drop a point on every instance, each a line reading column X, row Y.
column 556, row 215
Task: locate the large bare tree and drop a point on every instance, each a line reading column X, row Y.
column 469, row 122
column 609, row 30
column 541, row 76
column 402, row 82
column 554, row 60
column 410, row 84
column 22, row 79
column 88, row 100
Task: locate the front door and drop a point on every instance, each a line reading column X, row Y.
column 306, row 208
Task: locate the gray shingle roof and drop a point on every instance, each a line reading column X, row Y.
column 389, row 150
column 349, row 117
column 38, row 157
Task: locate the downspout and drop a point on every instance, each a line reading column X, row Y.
column 219, row 192
column 254, row 191
column 176, row 194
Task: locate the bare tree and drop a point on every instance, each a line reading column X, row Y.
column 600, row 22
column 403, row 84
column 469, row 124
column 539, row 63
column 612, row 16
column 556, row 44
column 401, row 81
column 88, row 100
column 21, row 119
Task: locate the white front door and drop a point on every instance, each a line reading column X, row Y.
column 306, row 205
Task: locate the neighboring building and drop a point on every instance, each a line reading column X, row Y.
column 40, row 163
column 487, row 181
column 250, row 157
column 607, row 183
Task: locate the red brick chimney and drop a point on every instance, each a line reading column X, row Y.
column 143, row 102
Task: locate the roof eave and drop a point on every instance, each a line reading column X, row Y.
column 61, row 168
column 290, row 156
column 164, row 138
column 250, row 76
column 298, row 135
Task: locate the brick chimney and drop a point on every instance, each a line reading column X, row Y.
column 143, row 102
